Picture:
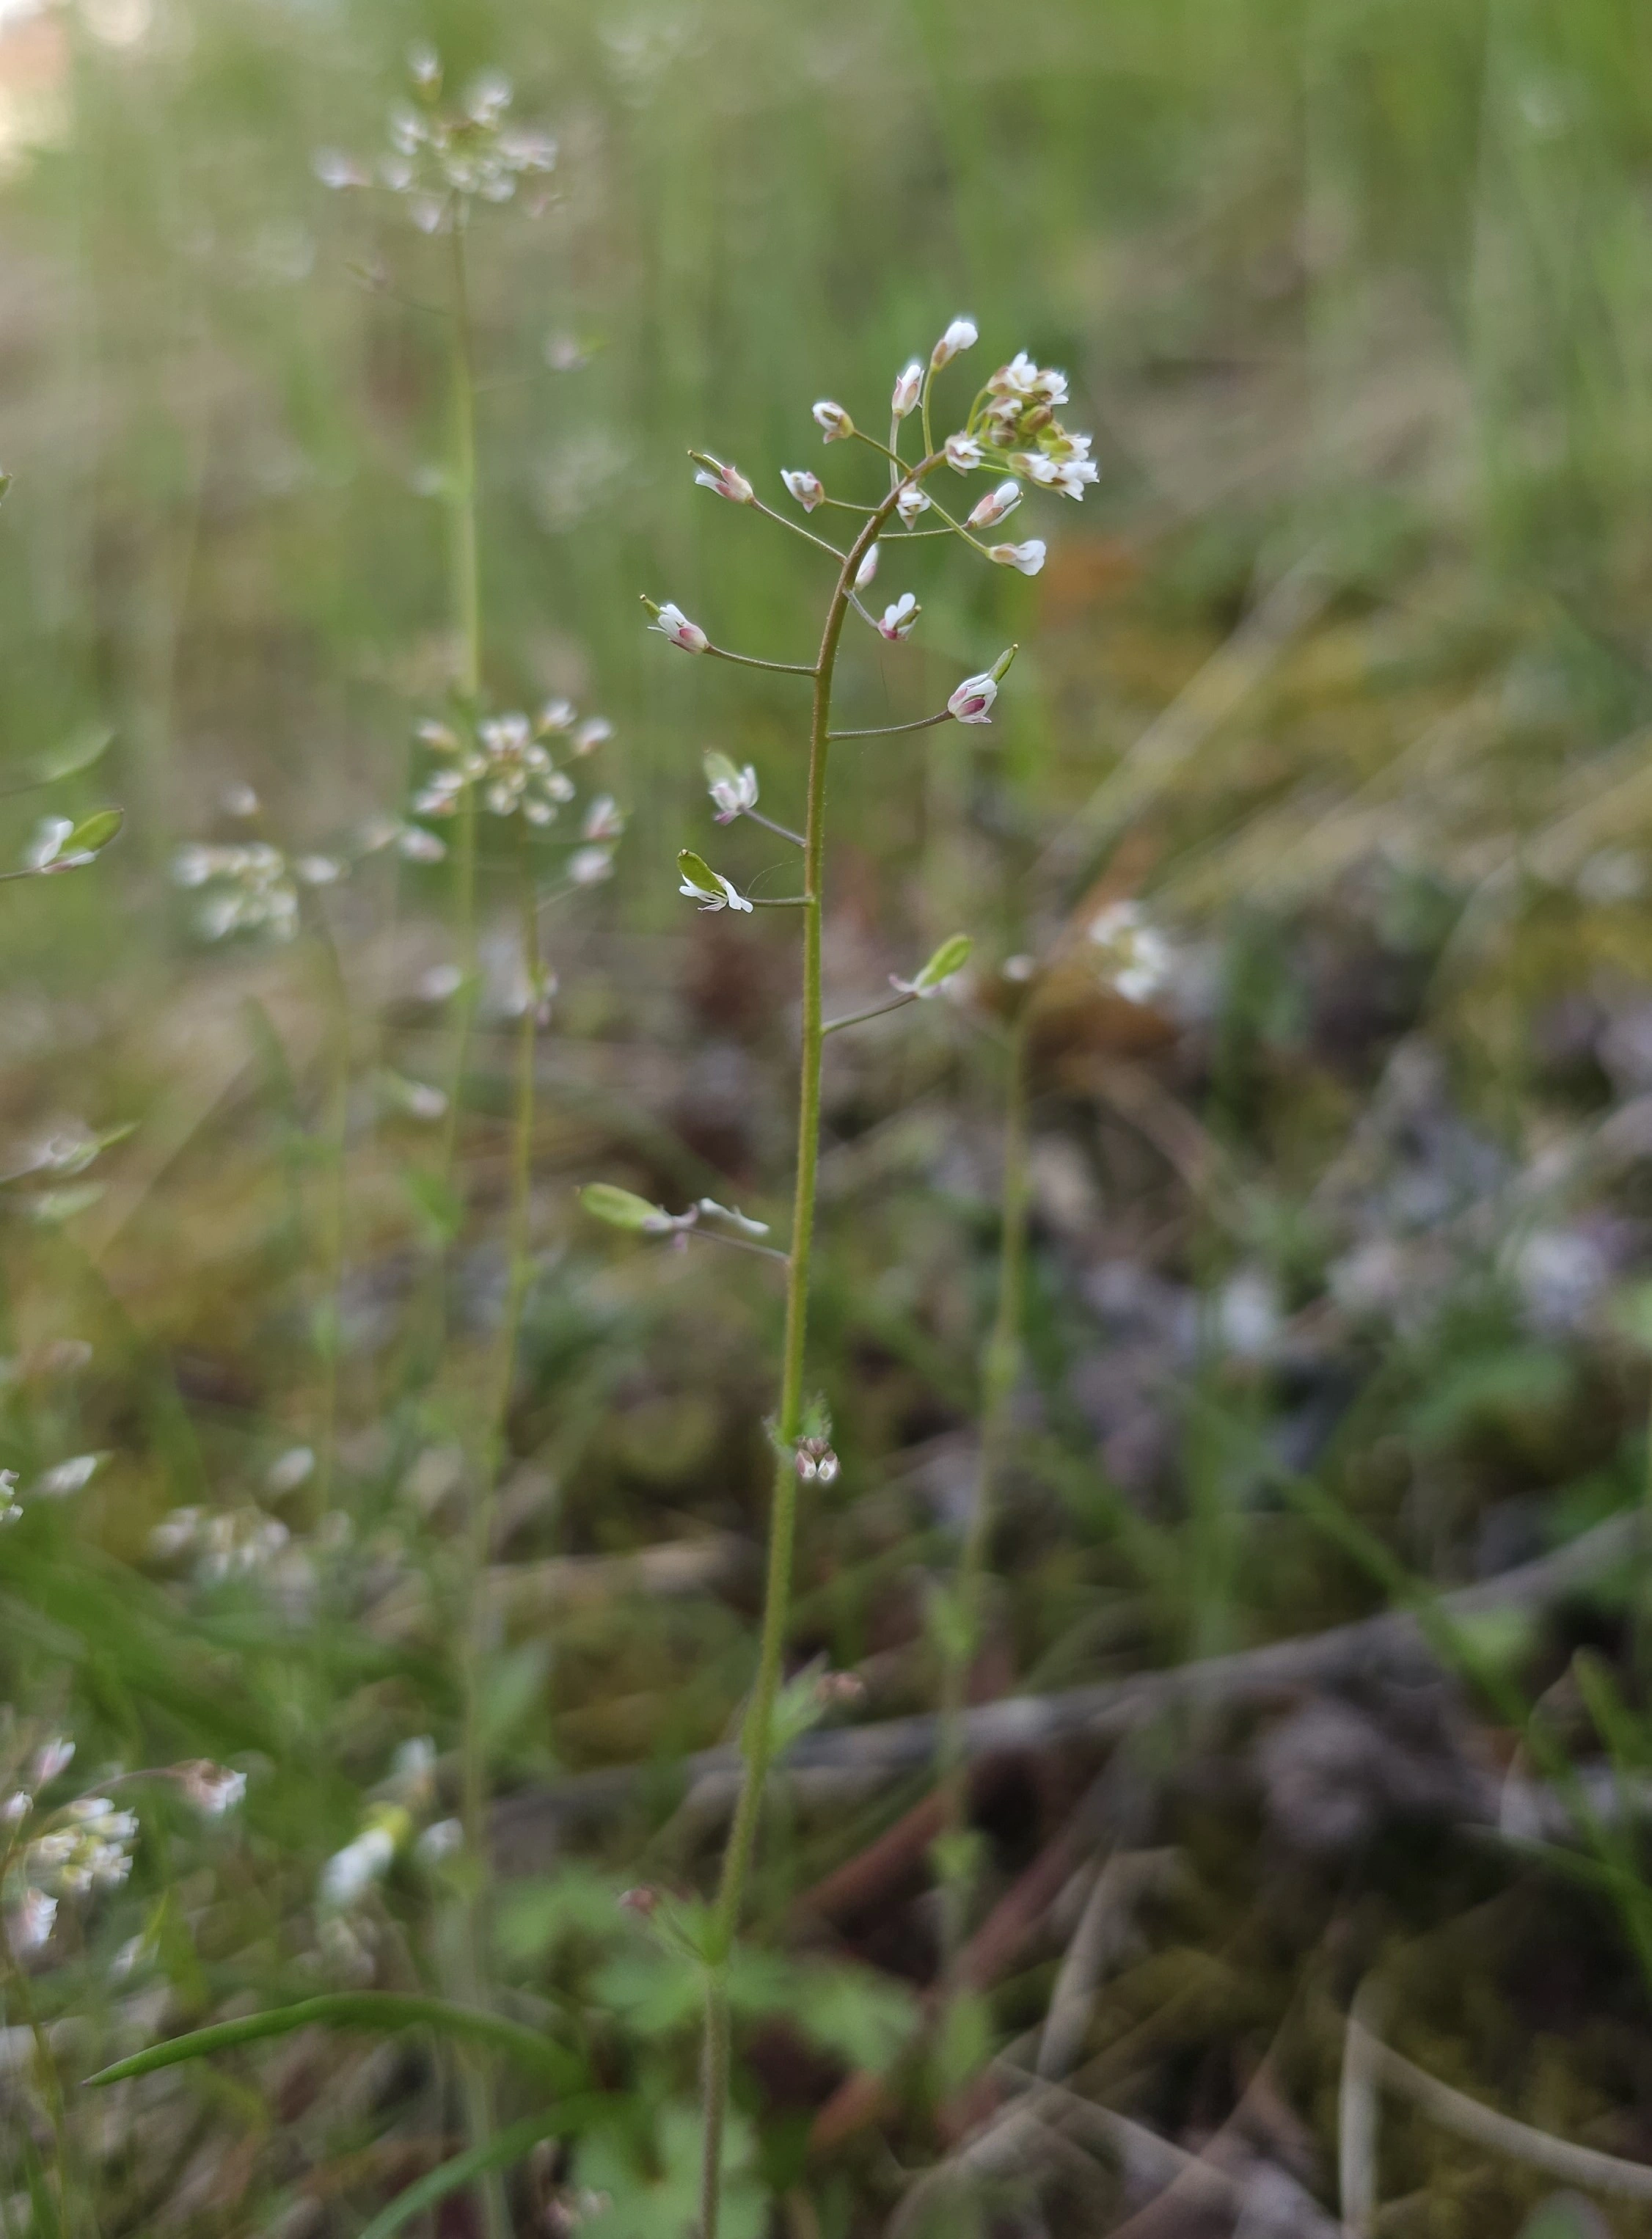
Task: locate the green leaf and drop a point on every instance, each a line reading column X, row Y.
column 498, row 2153
column 862, row 2018
column 951, row 956
column 77, row 752
column 381, row 2011
column 93, row 833
column 620, row 1208
column 662, row 2200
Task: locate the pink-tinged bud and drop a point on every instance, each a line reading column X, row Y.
column 898, row 619
column 816, row 1462
column 972, row 702
column 642, row 1902
column 962, row 334
column 962, row 454
column 837, row 1690
column 867, row 569
column 912, row 502
column 909, row 385
column 727, row 481
column 833, row 421
column 1028, row 557
column 995, row 506
column 671, row 622
column 808, row 489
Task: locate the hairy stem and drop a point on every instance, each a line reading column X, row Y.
column 756, row 1735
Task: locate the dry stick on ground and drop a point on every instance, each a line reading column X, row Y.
column 1106, row 1709
column 1469, row 2118
column 1358, row 2113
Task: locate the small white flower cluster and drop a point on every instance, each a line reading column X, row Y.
column 1136, row 958
column 510, row 760
column 251, row 887
column 220, row 1544
column 405, row 1799
column 441, row 159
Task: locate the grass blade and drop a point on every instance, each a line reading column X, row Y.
column 361, row 2010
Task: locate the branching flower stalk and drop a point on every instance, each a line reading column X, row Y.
column 1012, row 424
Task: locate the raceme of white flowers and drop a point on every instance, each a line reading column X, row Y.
column 511, row 761
column 1012, row 425
column 441, row 159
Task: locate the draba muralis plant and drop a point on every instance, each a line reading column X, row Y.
column 1012, row 433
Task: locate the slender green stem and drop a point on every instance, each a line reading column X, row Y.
column 860, row 1018
column 797, row 529
column 750, row 660
column 892, row 730
column 14, row 1977
column 781, row 831
column 757, row 1733
column 328, row 1306
column 1000, row 1368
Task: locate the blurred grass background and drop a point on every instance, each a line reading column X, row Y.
column 1357, row 297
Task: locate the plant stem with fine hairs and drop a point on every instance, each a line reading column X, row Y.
column 756, row 1733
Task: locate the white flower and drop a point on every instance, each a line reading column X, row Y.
column 868, row 568
column 47, row 845
column 734, row 790
column 995, row 506
column 317, row 870
column 727, row 480
column 418, row 845
column 833, row 421
column 898, row 619
column 588, row 866
column 595, row 731
column 1028, row 557
column 1137, row 957
column 908, row 386
column 911, row 502
column 336, row 170
column 51, row 1758
column 28, row 1923
column 671, row 622
column 961, row 335
column 1029, row 383
column 963, row 452
column 1069, row 477
column 213, row 1789
column 602, row 819
column 808, row 489
column 439, row 1841
column 734, row 1216
column 350, row 1872
column 972, row 702
column 55, row 1484
column 719, row 895
column 288, row 1471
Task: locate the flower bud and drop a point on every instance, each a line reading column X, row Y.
column 1028, row 557
column 833, row 421
column 911, row 502
column 898, row 619
column 868, row 566
column 962, row 334
column 963, row 452
column 995, row 506
column 727, row 480
column 808, row 489
column 908, row 388
column 671, row 622
column 734, row 790
column 972, row 702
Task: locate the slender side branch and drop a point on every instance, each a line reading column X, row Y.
column 750, row 660
column 797, row 529
column 892, row 730
column 860, row 1018
column 781, row 831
